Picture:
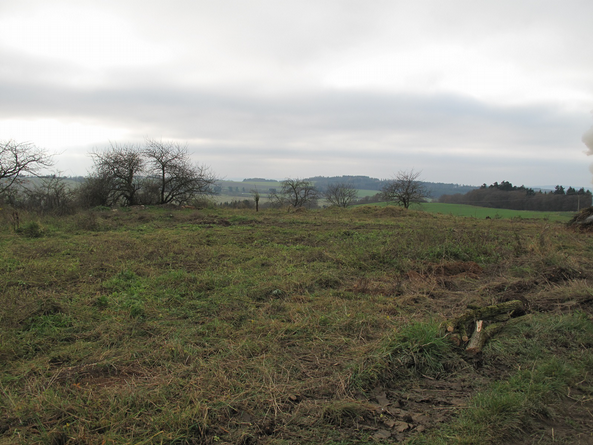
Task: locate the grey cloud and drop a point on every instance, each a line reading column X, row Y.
column 420, row 120
column 247, row 87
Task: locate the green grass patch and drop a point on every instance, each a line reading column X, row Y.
column 486, row 212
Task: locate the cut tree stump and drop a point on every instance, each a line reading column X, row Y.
column 484, row 322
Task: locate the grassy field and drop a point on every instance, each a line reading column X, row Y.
column 484, row 212
column 163, row 326
column 365, row 193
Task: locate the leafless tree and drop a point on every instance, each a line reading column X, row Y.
column 295, row 193
column 159, row 173
column 50, row 194
column 172, row 173
column 124, row 166
column 18, row 159
column 256, row 196
column 405, row 189
column 340, row 194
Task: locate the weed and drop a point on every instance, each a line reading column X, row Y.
column 420, row 349
column 32, row 229
column 102, row 301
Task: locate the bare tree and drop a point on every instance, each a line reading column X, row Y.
column 295, row 193
column 19, row 158
column 177, row 179
column 340, row 194
column 405, row 189
column 52, row 194
column 256, row 196
column 124, row 166
column 159, row 173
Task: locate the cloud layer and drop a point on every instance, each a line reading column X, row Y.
column 467, row 93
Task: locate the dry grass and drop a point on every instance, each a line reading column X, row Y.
column 182, row 327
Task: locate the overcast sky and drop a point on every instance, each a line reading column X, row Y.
column 465, row 91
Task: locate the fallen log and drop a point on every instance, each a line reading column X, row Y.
column 484, row 322
column 481, row 335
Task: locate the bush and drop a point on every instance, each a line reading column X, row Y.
column 31, row 230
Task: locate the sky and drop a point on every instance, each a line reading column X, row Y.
column 464, row 91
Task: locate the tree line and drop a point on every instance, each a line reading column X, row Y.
column 295, row 193
column 404, row 189
column 505, row 195
column 157, row 172
column 161, row 172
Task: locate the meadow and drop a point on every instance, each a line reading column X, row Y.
column 488, row 212
column 430, row 207
column 167, row 326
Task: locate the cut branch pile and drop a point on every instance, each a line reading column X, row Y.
column 483, row 323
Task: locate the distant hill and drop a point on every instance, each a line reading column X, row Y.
column 259, row 180
column 366, row 183
column 436, row 189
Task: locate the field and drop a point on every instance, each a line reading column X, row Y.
column 431, row 207
column 486, row 212
column 165, row 326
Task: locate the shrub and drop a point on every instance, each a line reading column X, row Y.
column 31, row 230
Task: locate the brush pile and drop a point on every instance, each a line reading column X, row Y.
column 485, row 322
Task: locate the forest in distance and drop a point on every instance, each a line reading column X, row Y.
column 507, row 196
column 360, row 182
column 503, row 195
